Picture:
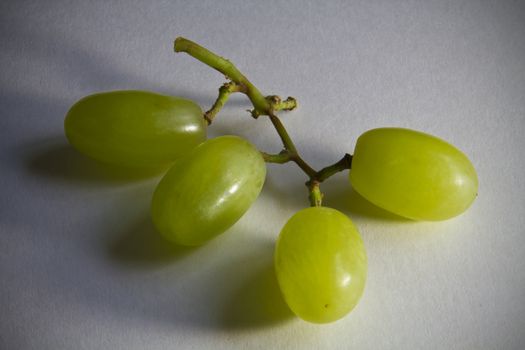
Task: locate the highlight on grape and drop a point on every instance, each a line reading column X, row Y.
column 320, row 260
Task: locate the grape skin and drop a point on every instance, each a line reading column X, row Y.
column 321, row 264
column 134, row 128
column 207, row 191
column 412, row 174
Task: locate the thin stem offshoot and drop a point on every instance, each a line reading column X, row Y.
column 224, row 93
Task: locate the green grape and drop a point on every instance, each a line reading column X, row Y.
column 413, row 174
column 207, row 191
column 134, row 128
column 321, row 264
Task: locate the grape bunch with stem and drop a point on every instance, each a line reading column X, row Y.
column 320, row 259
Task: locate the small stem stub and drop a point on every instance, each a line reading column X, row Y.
column 224, row 93
column 287, row 105
column 315, row 196
column 277, row 103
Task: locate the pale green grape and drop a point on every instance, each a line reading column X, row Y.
column 413, row 174
column 321, row 264
column 207, row 191
column 134, row 128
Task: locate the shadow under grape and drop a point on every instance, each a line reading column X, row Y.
column 141, row 246
column 257, row 302
column 55, row 159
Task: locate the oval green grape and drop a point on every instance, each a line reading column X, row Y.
column 321, row 264
column 134, row 128
column 413, row 174
column 207, row 191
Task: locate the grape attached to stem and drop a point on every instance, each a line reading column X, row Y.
column 321, row 264
column 413, row 174
column 207, row 191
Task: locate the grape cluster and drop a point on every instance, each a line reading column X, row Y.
column 320, row 259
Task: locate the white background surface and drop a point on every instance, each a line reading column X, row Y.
column 81, row 266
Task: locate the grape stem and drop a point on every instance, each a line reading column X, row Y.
column 262, row 105
column 225, row 67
